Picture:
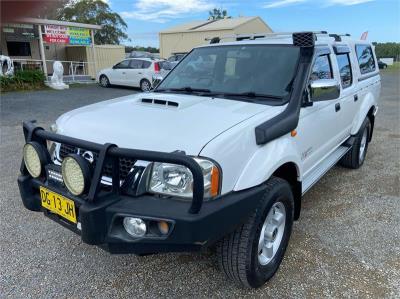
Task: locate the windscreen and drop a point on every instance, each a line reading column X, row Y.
column 236, row 69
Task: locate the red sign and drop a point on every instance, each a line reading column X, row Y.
column 55, row 39
column 56, row 34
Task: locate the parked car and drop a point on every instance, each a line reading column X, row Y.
column 218, row 157
column 381, row 64
column 137, row 72
column 155, row 55
column 175, row 58
column 139, row 54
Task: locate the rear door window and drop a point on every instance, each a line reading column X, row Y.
column 322, row 68
column 346, row 77
column 136, row 64
column 365, row 58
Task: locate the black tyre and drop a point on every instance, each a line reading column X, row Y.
column 145, row 85
column 355, row 157
column 251, row 255
column 104, row 82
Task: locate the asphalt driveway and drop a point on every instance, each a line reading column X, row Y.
column 346, row 244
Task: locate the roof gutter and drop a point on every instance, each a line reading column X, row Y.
column 59, row 23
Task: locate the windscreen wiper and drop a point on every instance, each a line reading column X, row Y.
column 251, row 94
column 186, row 89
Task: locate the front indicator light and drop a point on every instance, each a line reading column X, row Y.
column 211, row 177
column 34, row 158
column 163, row 227
column 76, row 174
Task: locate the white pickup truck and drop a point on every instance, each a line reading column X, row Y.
column 217, row 155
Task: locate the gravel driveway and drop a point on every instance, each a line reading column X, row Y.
column 346, row 244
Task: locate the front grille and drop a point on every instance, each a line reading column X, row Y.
column 66, row 149
column 125, row 164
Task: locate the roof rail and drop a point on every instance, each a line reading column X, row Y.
column 303, row 39
column 310, row 34
column 338, row 37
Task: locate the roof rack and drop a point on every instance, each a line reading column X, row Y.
column 338, row 37
column 304, row 39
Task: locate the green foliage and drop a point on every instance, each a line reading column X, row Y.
column 23, row 80
column 129, row 49
column 96, row 12
column 217, row 14
column 388, row 50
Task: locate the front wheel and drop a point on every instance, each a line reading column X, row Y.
column 104, row 82
column 251, row 255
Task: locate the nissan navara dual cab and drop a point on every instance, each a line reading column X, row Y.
column 218, row 155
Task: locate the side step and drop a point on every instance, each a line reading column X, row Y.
column 323, row 167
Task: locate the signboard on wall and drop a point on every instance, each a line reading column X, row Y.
column 79, row 36
column 66, row 35
column 56, row 34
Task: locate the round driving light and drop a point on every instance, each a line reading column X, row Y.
column 135, row 226
column 76, row 174
column 34, row 157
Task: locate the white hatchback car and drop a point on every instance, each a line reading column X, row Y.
column 134, row 72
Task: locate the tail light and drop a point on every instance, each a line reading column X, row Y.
column 156, row 67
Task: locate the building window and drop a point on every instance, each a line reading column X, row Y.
column 344, row 69
column 365, row 58
column 19, row 48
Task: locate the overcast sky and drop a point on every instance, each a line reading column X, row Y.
column 381, row 18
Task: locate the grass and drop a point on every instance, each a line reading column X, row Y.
column 22, row 80
column 392, row 68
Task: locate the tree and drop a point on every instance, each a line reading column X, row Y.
column 99, row 13
column 129, row 49
column 388, row 50
column 217, row 14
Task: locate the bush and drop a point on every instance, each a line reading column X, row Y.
column 23, row 80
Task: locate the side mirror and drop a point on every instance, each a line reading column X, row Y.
column 324, row 90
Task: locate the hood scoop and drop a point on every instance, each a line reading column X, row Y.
column 159, row 102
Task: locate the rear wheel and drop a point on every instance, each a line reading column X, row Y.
column 251, row 255
column 104, row 82
column 355, row 157
column 145, row 85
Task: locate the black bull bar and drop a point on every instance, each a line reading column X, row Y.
column 110, row 153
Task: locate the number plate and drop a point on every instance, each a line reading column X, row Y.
column 58, row 204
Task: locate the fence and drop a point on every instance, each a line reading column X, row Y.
column 73, row 70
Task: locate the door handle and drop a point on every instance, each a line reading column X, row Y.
column 355, row 98
column 123, row 73
column 337, row 107
column 139, row 73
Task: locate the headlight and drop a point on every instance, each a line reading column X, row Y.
column 177, row 180
column 34, row 158
column 76, row 174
